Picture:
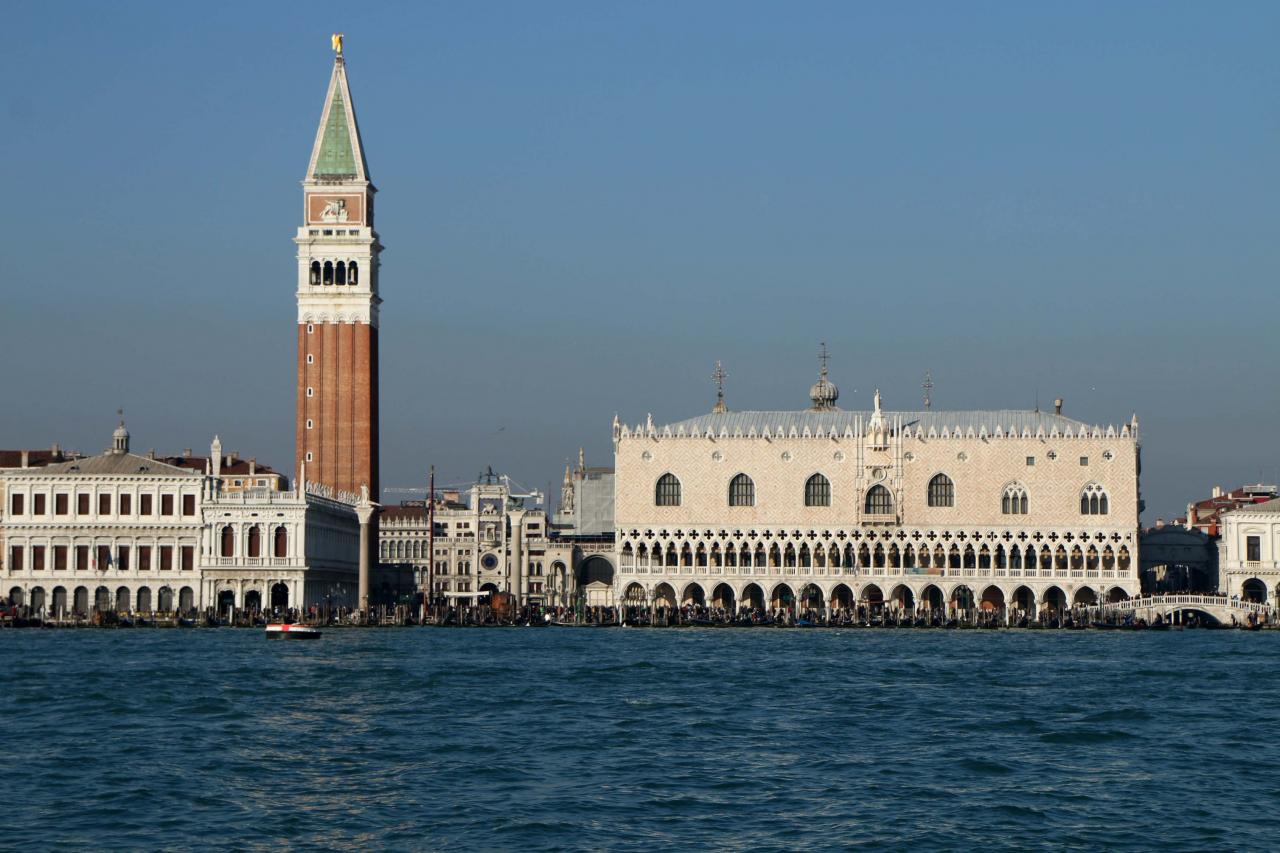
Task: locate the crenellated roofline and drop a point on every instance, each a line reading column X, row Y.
column 842, row 424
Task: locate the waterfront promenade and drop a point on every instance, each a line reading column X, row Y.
column 1156, row 612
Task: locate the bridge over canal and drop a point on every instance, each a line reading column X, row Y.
column 1175, row 608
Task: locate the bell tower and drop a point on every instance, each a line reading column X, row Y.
column 337, row 396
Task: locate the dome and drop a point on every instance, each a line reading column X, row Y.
column 824, row 395
column 120, row 439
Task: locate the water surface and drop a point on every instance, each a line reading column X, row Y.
column 552, row 739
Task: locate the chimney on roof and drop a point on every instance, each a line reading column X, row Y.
column 232, row 457
column 1057, row 406
column 253, row 466
column 1217, row 491
column 26, row 458
column 56, row 451
column 1159, row 523
column 186, row 453
column 151, row 454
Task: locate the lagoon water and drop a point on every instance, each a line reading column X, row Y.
column 632, row 739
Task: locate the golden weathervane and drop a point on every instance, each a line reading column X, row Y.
column 336, row 40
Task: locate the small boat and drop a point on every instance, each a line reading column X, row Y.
column 298, row 632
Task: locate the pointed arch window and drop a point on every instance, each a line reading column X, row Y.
column 1014, row 501
column 942, row 492
column 879, row 501
column 667, row 492
column 1093, row 500
column 817, row 491
column 742, row 491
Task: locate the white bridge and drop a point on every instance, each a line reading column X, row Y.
column 1218, row 607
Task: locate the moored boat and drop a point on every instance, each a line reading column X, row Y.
column 297, row 632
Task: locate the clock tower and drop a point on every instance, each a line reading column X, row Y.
column 338, row 248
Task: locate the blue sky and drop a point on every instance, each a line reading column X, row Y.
column 586, row 204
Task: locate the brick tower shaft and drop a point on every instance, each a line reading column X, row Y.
column 338, row 249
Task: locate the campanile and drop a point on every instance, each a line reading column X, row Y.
column 337, row 403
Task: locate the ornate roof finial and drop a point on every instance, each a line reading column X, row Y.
column 928, row 390
column 336, row 41
column 823, row 393
column 718, row 377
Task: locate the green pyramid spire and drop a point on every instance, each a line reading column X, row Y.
column 337, row 155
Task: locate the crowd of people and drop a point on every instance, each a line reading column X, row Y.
column 502, row 612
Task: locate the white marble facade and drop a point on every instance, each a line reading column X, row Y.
column 929, row 509
column 129, row 533
column 1249, row 553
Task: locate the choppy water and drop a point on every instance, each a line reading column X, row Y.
column 558, row 739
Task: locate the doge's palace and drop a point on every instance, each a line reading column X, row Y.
column 1023, row 511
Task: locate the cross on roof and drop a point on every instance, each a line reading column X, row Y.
column 718, row 377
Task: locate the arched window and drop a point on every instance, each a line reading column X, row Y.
column 282, row 542
column 942, row 492
column 742, row 491
column 228, row 541
column 340, row 273
column 879, row 501
column 817, row 491
column 1093, row 500
column 667, row 492
column 315, row 272
column 328, row 272
column 255, row 541
column 1014, row 500
column 353, row 273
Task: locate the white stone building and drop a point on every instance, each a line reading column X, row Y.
column 265, row 549
column 117, row 531
column 130, row 533
column 492, row 542
column 1023, row 510
column 1249, row 553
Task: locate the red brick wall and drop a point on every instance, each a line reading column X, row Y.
column 344, row 407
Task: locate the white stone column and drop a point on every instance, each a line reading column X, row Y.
column 364, row 513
